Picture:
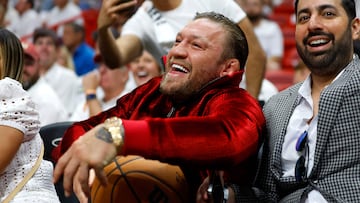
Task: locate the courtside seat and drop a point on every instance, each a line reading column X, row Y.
column 52, row 135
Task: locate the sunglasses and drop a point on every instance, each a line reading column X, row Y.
column 303, row 147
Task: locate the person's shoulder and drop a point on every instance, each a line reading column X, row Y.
column 290, row 91
column 59, row 69
column 10, row 88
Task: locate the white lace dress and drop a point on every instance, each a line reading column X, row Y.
column 17, row 110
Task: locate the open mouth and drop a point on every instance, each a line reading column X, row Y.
column 179, row 68
column 142, row 74
column 318, row 42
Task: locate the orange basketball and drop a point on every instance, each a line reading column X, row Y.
column 133, row 179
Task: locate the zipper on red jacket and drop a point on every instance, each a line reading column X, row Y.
column 171, row 112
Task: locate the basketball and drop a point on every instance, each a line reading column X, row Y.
column 133, row 179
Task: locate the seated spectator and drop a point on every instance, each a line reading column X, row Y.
column 24, row 175
column 48, row 103
column 268, row 33
column 8, row 14
column 144, row 68
column 102, row 88
column 28, row 19
column 64, row 81
column 74, row 40
column 64, row 11
column 65, row 58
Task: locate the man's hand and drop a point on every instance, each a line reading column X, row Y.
column 202, row 193
column 113, row 9
column 88, row 152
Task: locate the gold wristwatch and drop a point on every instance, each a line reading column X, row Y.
column 115, row 127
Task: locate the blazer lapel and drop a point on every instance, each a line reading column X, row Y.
column 286, row 105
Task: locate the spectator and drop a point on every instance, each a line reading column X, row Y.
column 28, row 19
column 268, row 32
column 155, row 24
column 144, row 68
column 102, row 88
column 74, row 40
column 63, row 12
column 50, row 107
column 65, row 58
column 313, row 127
column 190, row 117
column 64, row 81
column 8, row 14
column 21, row 163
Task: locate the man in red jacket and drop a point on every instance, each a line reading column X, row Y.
column 195, row 116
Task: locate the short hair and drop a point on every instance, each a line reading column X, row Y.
column 31, row 2
column 236, row 45
column 12, row 55
column 77, row 28
column 348, row 5
column 44, row 32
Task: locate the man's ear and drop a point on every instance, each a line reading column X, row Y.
column 356, row 28
column 230, row 66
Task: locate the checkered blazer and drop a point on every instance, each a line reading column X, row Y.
column 336, row 171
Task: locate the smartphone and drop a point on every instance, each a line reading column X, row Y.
column 216, row 189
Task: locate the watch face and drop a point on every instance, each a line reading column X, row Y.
column 114, row 126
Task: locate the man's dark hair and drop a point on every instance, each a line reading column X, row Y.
column 31, row 2
column 349, row 6
column 236, row 44
column 44, row 32
column 77, row 28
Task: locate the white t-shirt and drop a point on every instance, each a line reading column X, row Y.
column 51, row 109
column 17, row 110
column 152, row 36
column 26, row 23
column 270, row 37
column 58, row 16
column 66, row 84
column 82, row 111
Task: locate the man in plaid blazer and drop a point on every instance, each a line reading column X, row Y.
column 325, row 108
column 311, row 151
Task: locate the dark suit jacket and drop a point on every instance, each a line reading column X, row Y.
column 336, row 171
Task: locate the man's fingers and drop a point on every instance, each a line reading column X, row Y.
column 81, row 186
column 60, row 166
column 202, row 195
column 100, row 174
column 69, row 173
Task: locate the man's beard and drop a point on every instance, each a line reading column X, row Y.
column 254, row 18
column 330, row 61
column 185, row 90
column 29, row 83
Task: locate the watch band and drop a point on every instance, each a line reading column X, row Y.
column 115, row 127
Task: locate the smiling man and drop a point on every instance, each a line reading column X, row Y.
column 196, row 116
column 311, row 150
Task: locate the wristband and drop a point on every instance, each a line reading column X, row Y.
column 90, row 97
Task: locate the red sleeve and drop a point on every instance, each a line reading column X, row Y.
column 226, row 136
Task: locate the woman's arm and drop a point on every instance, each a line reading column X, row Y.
column 10, row 141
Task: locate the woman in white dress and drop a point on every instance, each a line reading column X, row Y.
column 20, row 141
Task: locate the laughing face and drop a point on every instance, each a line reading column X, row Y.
column 194, row 60
column 324, row 35
column 144, row 68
